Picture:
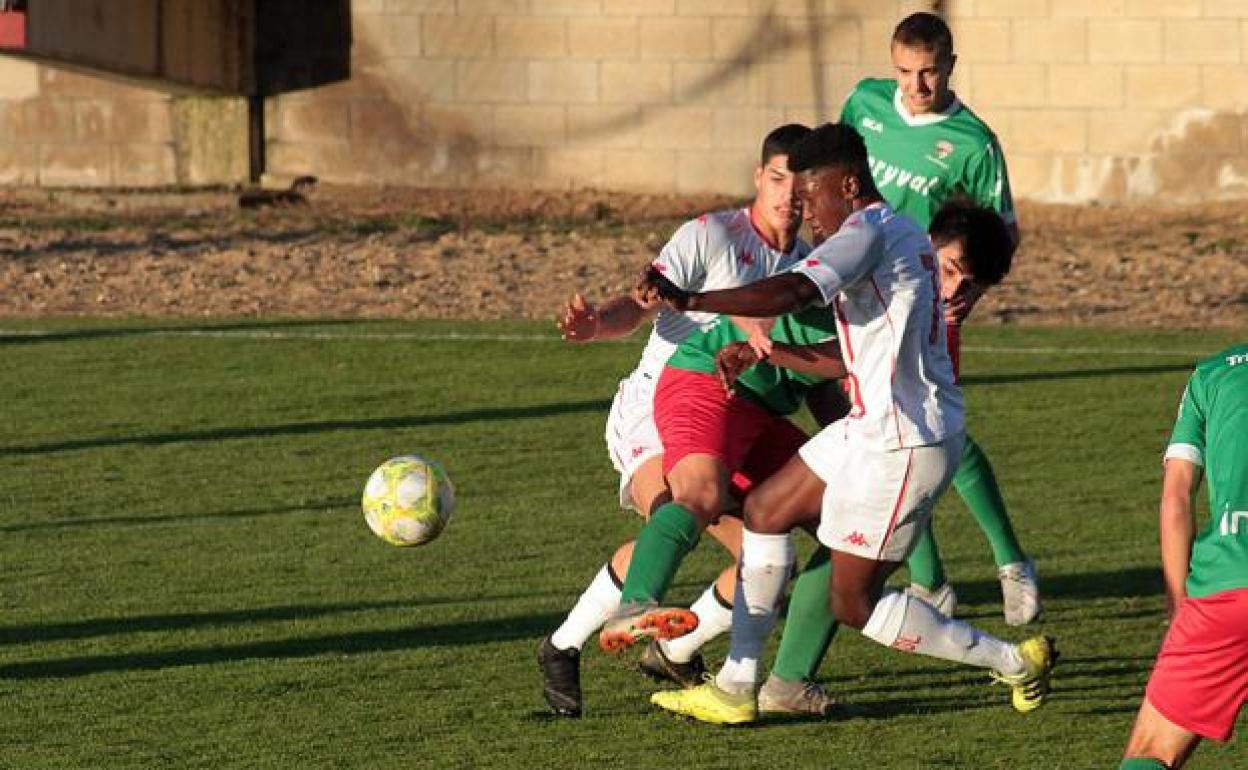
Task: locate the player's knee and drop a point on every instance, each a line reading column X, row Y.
column 704, row 500
column 765, row 515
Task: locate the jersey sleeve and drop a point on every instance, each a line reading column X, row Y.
column 851, row 254
column 1187, row 441
column 987, row 181
column 683, row 258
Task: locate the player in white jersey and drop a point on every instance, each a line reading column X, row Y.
column 871, row 480
column 720, row 250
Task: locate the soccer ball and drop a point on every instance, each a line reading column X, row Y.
column 408, row 500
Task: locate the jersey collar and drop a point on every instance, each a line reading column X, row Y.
column 924, row 120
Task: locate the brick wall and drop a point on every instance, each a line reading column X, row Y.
column 1093, row 99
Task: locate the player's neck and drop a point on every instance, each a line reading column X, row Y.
column 780, row 239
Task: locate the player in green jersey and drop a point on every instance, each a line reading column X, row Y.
column 925, row 147
column 1200, row 681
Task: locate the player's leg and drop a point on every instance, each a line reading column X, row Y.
column 927, row 574
column 558, row 655
column 680, row 660
column 871, row 522
column 1199, row 684
column 1157, row 742
column 809, row 628
column 977, row 485
column 790, row 497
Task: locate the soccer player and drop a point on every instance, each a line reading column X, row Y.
column 926, row 146
column 1200, row 681
column 870, row 480
column 718, row 250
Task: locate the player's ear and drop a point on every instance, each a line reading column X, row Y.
column 953, row 59
column 758, row 177
column 851, row 187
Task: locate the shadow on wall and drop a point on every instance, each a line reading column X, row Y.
column 453, row 145
column 1193, row 155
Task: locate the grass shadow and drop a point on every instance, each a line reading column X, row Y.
column 485, row 631
column 128, row 521
column 1076, row 374
column 490, row 414
column 78, row 335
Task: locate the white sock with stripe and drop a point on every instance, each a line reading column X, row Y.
column 910, row 624
column 765, row 562
column 591, row 612
column 714, row 618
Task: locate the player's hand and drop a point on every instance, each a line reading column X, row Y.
column 760, row 337
column 959, row 306
column 732, row 360
column 655, row 286
column 580, row 320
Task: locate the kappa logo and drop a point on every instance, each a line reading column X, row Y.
column 638, row 451
column 746, row 258
column 812, row 262
column 856, row 539
column 871, row 124
column 944, row 148
column 907, row 643
column 662, row 268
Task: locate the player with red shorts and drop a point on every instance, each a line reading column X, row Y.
column 1200, row 681
column 709, row 435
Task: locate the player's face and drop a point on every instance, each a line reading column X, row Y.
column 922, row 77
column 825, row 202
column 956, row 279
column 776, row 200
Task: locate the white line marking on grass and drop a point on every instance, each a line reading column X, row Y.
column 260, row 334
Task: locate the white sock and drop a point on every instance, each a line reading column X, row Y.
column 765, row 561
column 714, row 618
column 592, row 610
column 912, row 625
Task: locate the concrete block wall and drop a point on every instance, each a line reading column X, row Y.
column 1106, row 100
column 63, row 129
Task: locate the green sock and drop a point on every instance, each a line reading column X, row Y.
column 671, row 533
column 924, row 562
column 977, row 485
column 809, row 626
column 1141, row 763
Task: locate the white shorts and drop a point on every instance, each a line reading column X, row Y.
column 632, row 437
column 877, row 502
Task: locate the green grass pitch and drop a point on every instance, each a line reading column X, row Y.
column 188, row 581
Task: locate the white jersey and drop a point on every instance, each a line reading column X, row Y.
column 878, row 272
column 722, row 250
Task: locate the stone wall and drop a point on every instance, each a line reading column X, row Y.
column 1092, row 99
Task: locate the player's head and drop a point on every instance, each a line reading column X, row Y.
column 974, row 246
column 833, row 176
column 923, row 59
column 774, row 201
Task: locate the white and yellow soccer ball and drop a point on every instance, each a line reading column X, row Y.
column 408, row 500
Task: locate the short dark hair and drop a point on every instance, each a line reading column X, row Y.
column 832, row 144
column 987, row 244
column 924, row 30
column 782, row 140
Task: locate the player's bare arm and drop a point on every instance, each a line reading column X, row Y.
column 617, row 317
column 1179, row 486
column 777, row 295
column 822, row 360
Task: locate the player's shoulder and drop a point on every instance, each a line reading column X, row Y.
column 1233, row 358
column 966, row 121
column 713, row 228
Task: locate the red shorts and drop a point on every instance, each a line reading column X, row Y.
column 1200, row 681
column 696, row 416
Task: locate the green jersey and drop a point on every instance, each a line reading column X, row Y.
column 779, row 390
column 920, row 161
column 1212, row 431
